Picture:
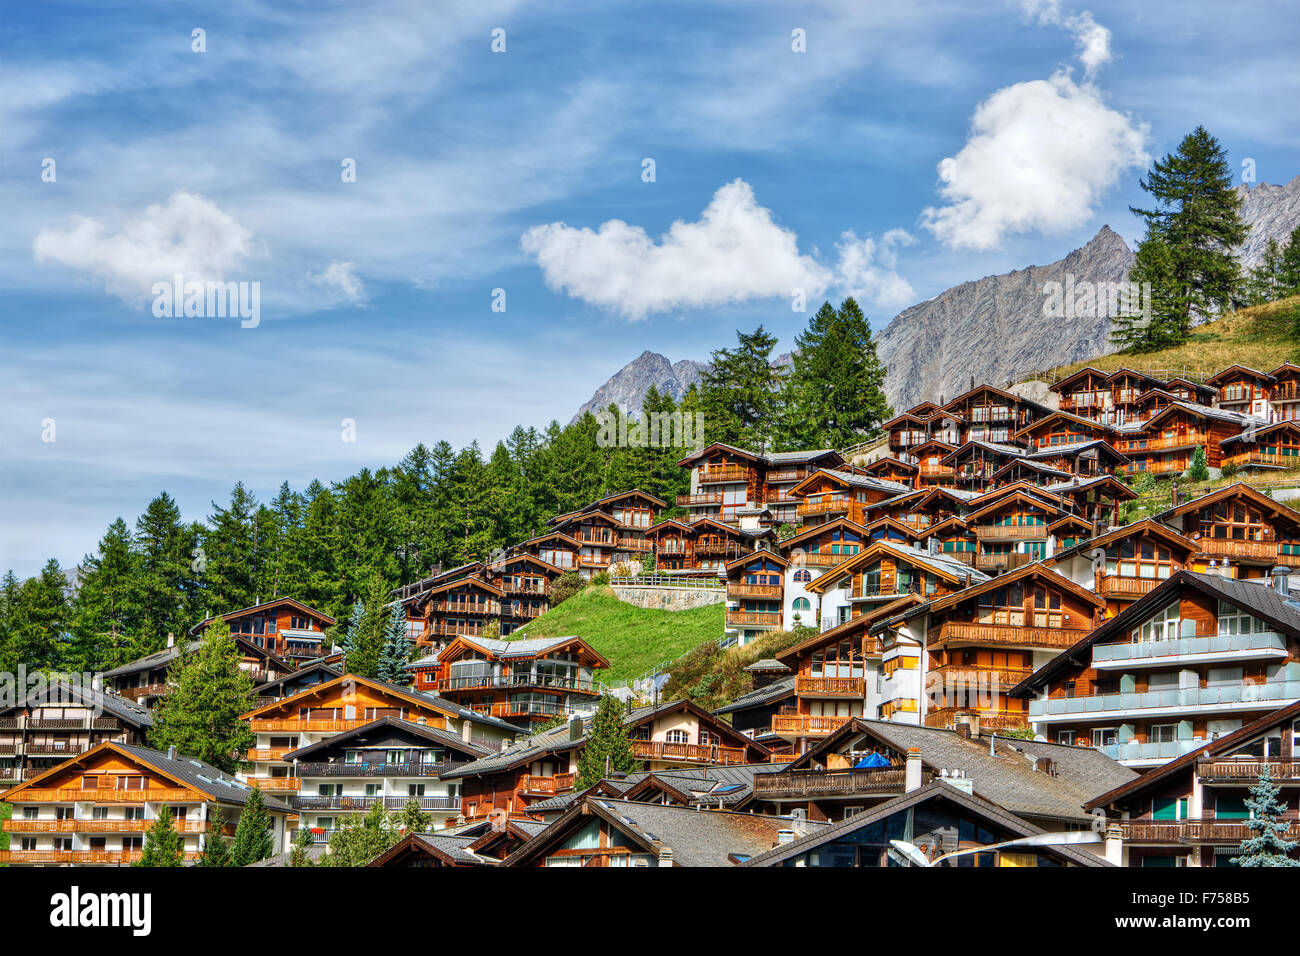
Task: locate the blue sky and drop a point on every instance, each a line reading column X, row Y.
column 910, row 146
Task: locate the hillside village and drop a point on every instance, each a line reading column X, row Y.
column 975, row 632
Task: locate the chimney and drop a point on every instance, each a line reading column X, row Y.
column 967, row 724
column 784, row 836
column 1045, row 765
column 912, row 771
column 466, row 729
column 665, row 856
column 171, row 753
column 171, row 639
column 1282, row 580
column 575, row 728
column 1114, row 845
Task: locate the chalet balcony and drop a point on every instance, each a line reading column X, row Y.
column 787, row 474
column 855, row 687
column 148, row 690
column 818, row 559
column 1152, row 753
column 687, row 753
column 96, row 826
column 1192, row 831
column 1262, row 645
column 946, row 717
column 860, row 593
column 363, row 804
column 514, row 709
column 406, row 769
column 1234, row 549
column 452, row 629
column 532, row 784
column 1154, row 467
column 956, row 632
column 1011, row 532
column 262, row 754
column 818, row 784
column 74, row 857
column 739, row 589
column 521, row 611
column 717, row 547
column 540, row 588
column 806, row 725
column 65, row 723
column 935, row 471
column 754, row 618
column 9, row 750
column 973, row 675
column 275, row 784
column 1188, row 440
column 603, row 538
column 1263, row 458
column 823, row 506
column 723, row 473
column 1245, row 771
column 700, row 500
column 543, row 681
column 1125, row 588
column 70, row 795
column 59, row 748
column 632, row 543
column 310, row 725
column 1201, row 701
column 1009, row 561
column 485, row 608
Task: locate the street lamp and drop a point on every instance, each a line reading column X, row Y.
column 913, row 854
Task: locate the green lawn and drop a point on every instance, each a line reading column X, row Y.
column 633, row 639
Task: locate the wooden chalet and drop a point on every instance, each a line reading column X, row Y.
column 893, row 470
column 1239, row 528
column 611, row 529
column 755, row 592
column 1198, row 393
column 1127, row 389
column 884, row 571
column 96, row 808
column 1085, row 394
column 1244, row 390
column 62, row 720
column 1165, row 443
column 524, row 581
column 146, row 679
column 1273, row 447
column 826, row 495
column 992, row 415
column 460, row 607
column 557, row 549
column 1125, row 564
column 674, row 734
column 1192, row 660
column 1088, row 458
column 287, row 628
column 527, row 682
column 725, row 479
column 1284, row 393
column 932, row 467
column 975, row 463
column 1191, row 811
column 1059, row 433
column 346, row 703
column 1011, row 529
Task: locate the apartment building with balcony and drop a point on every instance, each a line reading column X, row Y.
column 389, row 761
column 526, row 682
column 1011, row 526
column 1264, row 448
column 287, row 628
column 1191, row 810
column 755, row 595
column 827, row 495
column 64, row 720
column 676, row 734
column 1197, row 658
column 145, row 679
column 459, row 607
column 726, row 479
column 320, row 712
column 525, row 584
column 865, row 762
column 1238, row 527
column 811, row 553
column 991, row 415
column 95, row 809
column 1244, row 390
column 1166, row 442
column 701, row 544
column 611, row 529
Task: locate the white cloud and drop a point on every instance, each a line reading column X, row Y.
column 189, row 236
column 1092, row 39
column 340, row 278
column 867, row 269
column 734, row 252
column 1039, row 157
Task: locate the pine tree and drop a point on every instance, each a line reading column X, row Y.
column 200, row 715
column 105, row 612
column 738, row 393
column 300, row 854
column 231, row 552
column 39, row 619
column 834, row 395
column 163, row 846
column 1196, row 219
column 397, row 648
column 607, row 748
column 1289, row 267
column 1198, row 471
column 216, row 851
column 357, row 842
column 411, row 819
column 366, row 641
column 253, row 839
column 1266, row 847
column 1264, row 282
column 170, row 563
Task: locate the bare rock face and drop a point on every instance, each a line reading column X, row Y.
column 989, row 330
column 627, row 387
column 995, row 328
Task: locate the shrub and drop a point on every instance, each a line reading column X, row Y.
column 566, row 586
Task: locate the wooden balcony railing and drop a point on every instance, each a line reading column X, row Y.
column 717, row 547
column 482, row 608
column 306, row 725
column 268, row 753
column 739, row 589
column 1192, row 831
column 1011, row 532
column 540, row 588
column 690, row 753
column 974, row 675
column 811, row 784
column 695, row 501
column 1272, row 459
column 821, row 506
column 806, row 725
column 558, row 783
column 997, row 562
column 754, row 618
column 1157, row 444
column 71, row 795
column 989, row 720
column 1008, row 634
column 1118, row 586
column 149, row 690
column 1247, row 770
column 818, row 559
column 719, row 473
column 1154, row 467
column 830, row 687
column 275, row 784
column 1232, row 548
column 73, row 857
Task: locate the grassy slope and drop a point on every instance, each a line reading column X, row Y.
column 1259, row 337
column 633, row 639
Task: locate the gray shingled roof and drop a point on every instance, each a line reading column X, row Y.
column 112, row 704
column 204, row 777
column 433, row 734
column 763, row 695
column 1009, row 778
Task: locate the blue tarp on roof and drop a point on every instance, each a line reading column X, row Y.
column 871, row 762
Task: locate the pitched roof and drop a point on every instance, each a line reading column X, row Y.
column 274, row 602
column 66, row 692
column 451, row 848
column 435, row 735
column 168, row 654
column 769, row 694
